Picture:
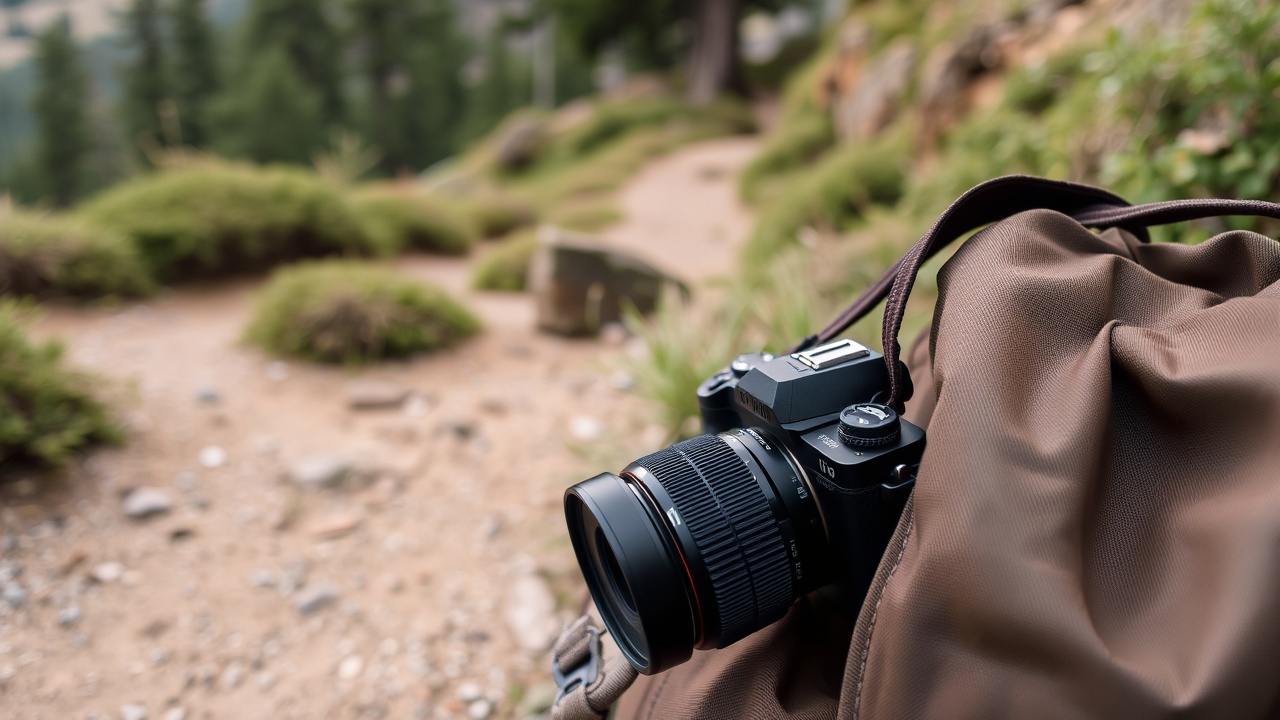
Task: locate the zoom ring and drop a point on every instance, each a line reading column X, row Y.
column 734, row 529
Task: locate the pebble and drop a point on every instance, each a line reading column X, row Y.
column 69, row 616
column 585, row 428
column 335, row 525
column 350, row 667
column 147, row 501
column 416, row 406
column 531, row 612
column 9, row 571
column 278, row 371
column 107, row 572
column 315, row 598
column 623, row 381
column 320, row 470
column 14, row 595
column 374, row 395
column 263, row 579
column 212, row 457
column 266, row 680
column 232, row 676
column 479, row 709
column 208, row 395
column 470, row 691
column 133, row 711
column 175, row 713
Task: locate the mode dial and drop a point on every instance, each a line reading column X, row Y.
column 869, row 425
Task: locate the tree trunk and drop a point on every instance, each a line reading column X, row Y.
column 713, row 57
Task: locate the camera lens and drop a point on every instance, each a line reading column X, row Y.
column 696, row 546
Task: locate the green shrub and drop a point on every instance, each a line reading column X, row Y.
column 794, row 145
column 47, row 413
column 218, row 218
column 50, row 255
column 506, row 267
column 353, row 312
column 590, row 216
column 396, row 222
column 495, row 214
column 843, row 185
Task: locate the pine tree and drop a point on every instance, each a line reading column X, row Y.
column 145, row 90
column 377, row 28
column 63, row 143
column 272, row 114
column 195, row 71
column 431, row 110
column 303, row 30
column 506, row 85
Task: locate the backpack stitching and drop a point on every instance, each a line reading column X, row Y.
column 875, row 611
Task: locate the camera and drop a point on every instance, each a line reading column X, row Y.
column 796, row 487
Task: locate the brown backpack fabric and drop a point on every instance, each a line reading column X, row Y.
column 1095, row 531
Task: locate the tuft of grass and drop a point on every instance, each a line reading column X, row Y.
column 47, row 412
column 837, row 192
column 343, row 311
column 44, row 255
column 396, row 222
column 216, row 218
column 590, row 216
column 796, row 144
column 506, row 268
column 495, row 214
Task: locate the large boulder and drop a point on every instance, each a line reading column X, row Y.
column 519, row 140
column 580, row 284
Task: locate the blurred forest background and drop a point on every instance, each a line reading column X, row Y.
column 278, row 277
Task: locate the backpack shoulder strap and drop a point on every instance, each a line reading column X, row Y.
column 996, row 200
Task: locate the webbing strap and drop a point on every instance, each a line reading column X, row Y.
column 589, row 682
column 996, row 200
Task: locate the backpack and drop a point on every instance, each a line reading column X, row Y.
column 1095, row 529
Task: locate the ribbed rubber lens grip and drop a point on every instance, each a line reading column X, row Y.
column 734, row 528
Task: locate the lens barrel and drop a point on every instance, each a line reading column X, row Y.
column 697, row 545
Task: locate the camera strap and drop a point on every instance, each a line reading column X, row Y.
column 589, row 682
column 996, row 200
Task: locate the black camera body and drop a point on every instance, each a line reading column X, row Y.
column 797, row 486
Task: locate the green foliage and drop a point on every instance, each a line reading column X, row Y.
column 145, row 89
column 838, row 191
column 63, row 143
column 47, row 413
column 506, row 267
column 505, row 86
column 396, row 222
column 590, row 216
column 795, row 145
column 214, row 219
column 272, row 115
column 1203, row 106
column 351, row 312
column 495, row 213
column 195, row 69
column 50, row 255
column 304, row 31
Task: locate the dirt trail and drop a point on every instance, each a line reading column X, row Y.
column 443, row 556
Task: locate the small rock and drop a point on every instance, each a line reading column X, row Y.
column 9, row 571
column 69, row 616
column 586, row 429
column 470, row 691
column 278, row 371
column 14, row 595
column 479, row 709
column 416, row 406
column 175, row 713
column 393, row 583
column 335, row 525
column 531, row 612
column 460, row 428
column 315, row 598
column 350, row 667
column 212, row 457
column 266, row 680
column 374, row 395
column 614, row 334
column 263, row 579
column 208, row 395
column 494, row 406
column 107, row 572
column 320, row 470
column 624, row 381
column 232, row 676
column 491, row 526
column 133, row 711
column 147, row 501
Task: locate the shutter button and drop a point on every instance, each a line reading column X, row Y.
column 869, row 425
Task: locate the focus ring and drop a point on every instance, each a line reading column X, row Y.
column 733, row 526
